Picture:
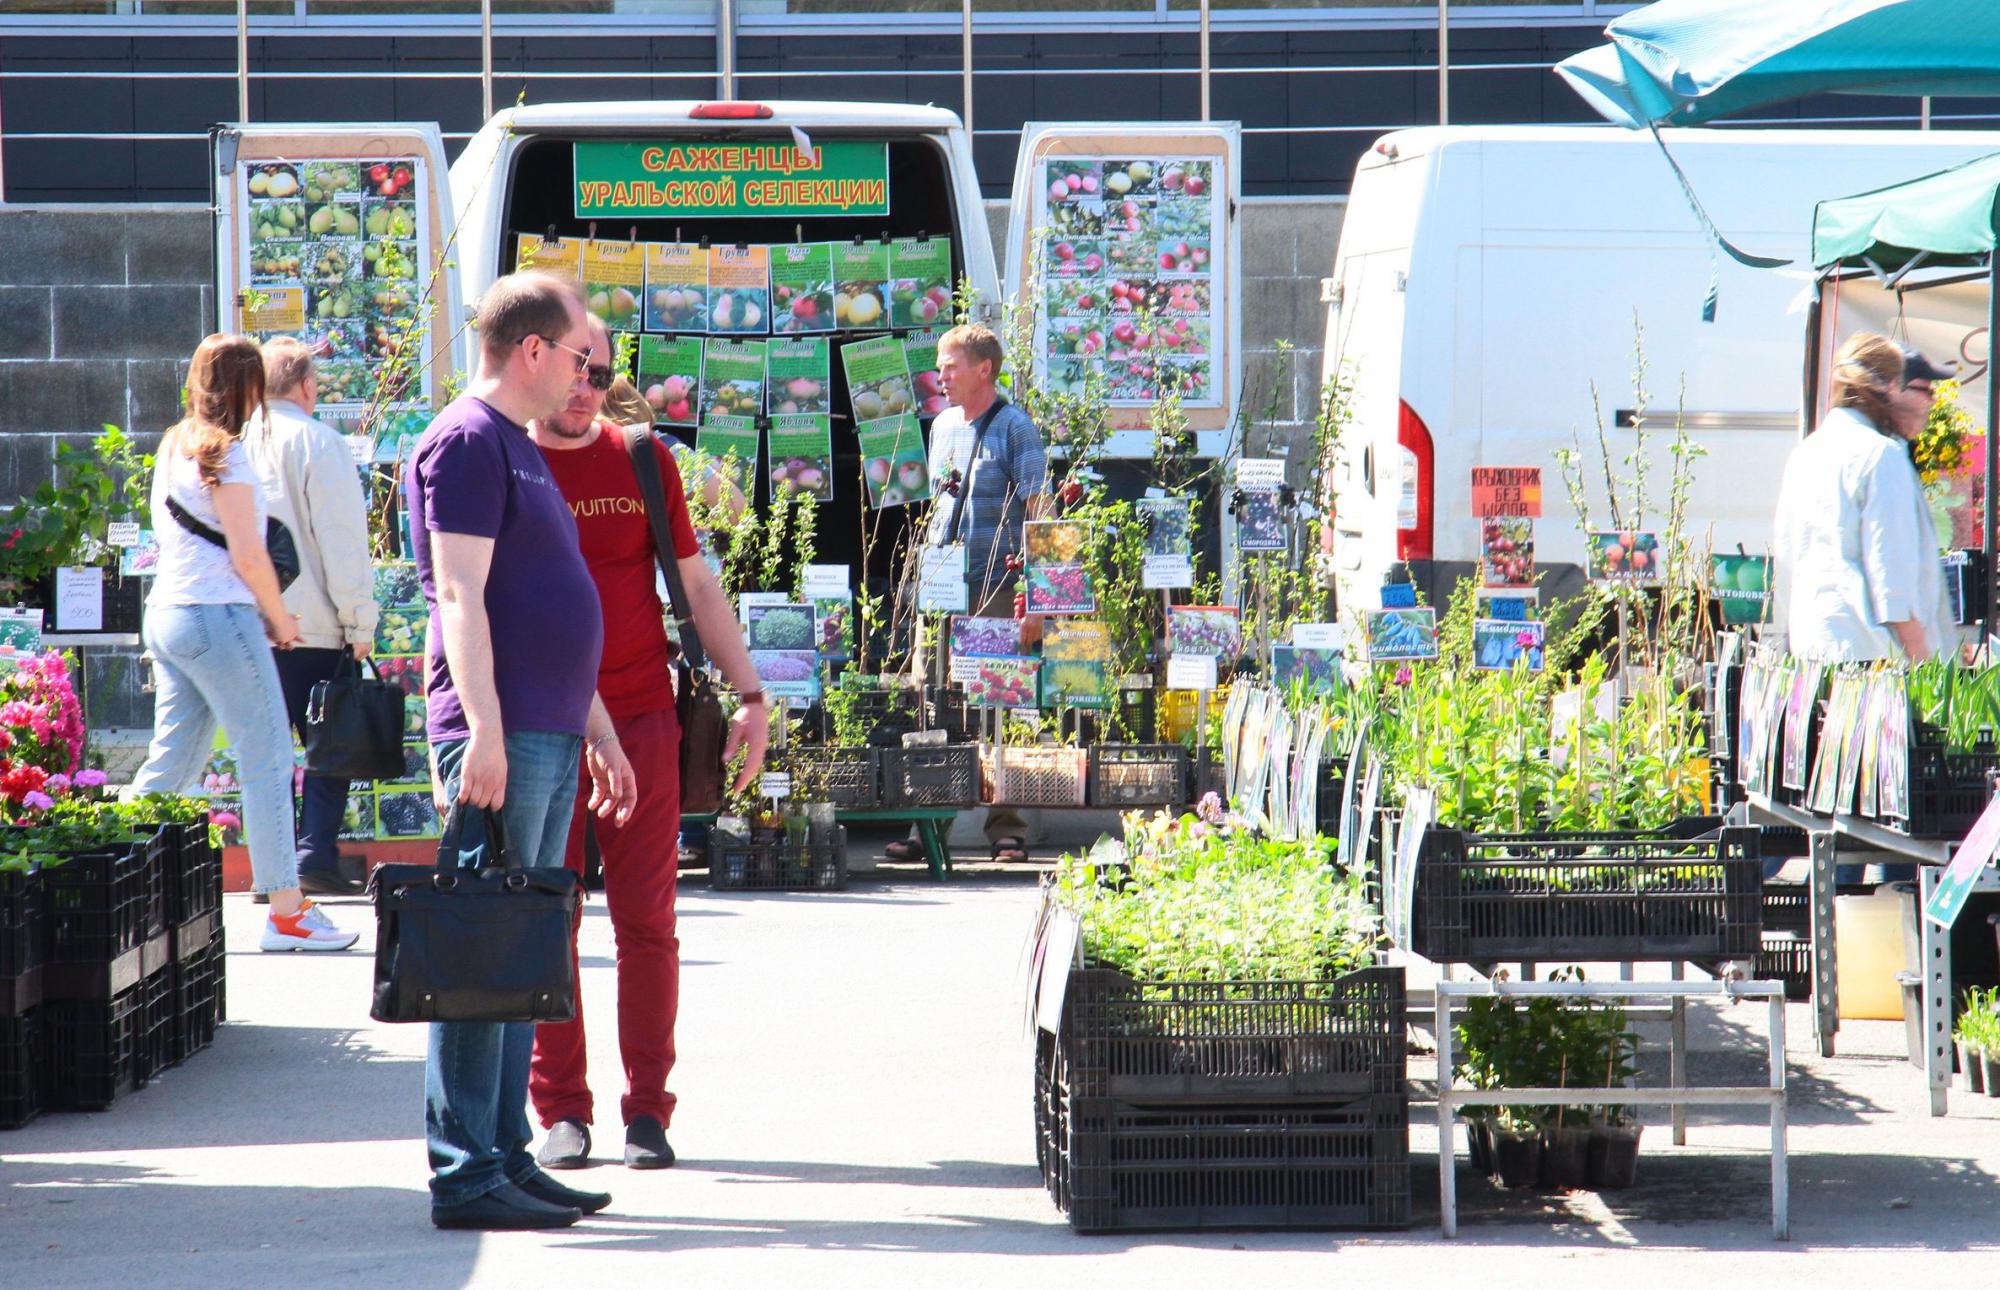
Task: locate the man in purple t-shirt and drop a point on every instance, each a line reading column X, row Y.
column 513, row 645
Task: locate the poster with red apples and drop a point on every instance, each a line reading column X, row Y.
column 1129, row 263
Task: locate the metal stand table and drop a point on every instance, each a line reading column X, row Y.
column 1679, row 1097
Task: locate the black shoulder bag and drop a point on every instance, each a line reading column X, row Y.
column 487, row 944
column 354, row 725
column 704, row 729
column 278, row 542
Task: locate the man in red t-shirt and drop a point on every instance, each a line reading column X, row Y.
column 591, row 466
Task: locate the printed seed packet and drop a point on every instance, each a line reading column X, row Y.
column 802, row 287
column 1260, row 524
column 1624, row 556
column 670, row 377
column 833, row 623
column 562, row 256
column 20, row 631
column 732, row 379
column 1741, row 584
column 405, row 813
column 781, row 627
column 1169, row 555
column 1496, row 644
column 802, row 454
column 732, row 443
column 357, row 822
column 893, row 461
column 399, row 629
column 799, row 371
column 614, row 277
column 1400, row 634
column 1318, row 667
column 878, row 378
column 1211, row 631
column 142, row 558
column 999, row 682
column 787, row 674
column 920, row 351
column 1083, row 639
column 1507, row 551
column 405, row 671
column 861, row 282
column 739, row 289
column 1057, row 580
column 988, row 637
column 1075, row 683
column 676, row 287
column 919, row 282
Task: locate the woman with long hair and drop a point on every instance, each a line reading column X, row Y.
column 212, row 618
column 1857, row 555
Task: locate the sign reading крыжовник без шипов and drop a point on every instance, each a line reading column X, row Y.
column 626, row 180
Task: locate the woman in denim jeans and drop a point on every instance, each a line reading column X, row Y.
column 212, row 618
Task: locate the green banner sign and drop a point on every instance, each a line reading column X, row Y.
column 676, row 179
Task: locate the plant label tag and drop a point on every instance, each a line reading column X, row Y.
column 1167, row 573
column 1507, row 490
column 1136, row 681
column 1156, row 491
column 80, row 599
column 1399, row 595
column 964, row 668
column 1319, row 636
column 20, row 633
column 361, row 447
column 941, row 580
column 1956, row 883
column 1260, row 472
column 757, row 599
column 1191, row 672
column 1057, row 953
column 775, row 784
column 827, row 581
column 122, row 533
column 1507, row 609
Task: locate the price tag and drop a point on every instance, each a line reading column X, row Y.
column 1507, row 490
column 122, row 533
column 828, row 581
column 941, row 579
column 1260, row 472
column 1167, row 573
column 79, row 599
column 1136, row 681
column 1191, row 672
column 1399, row 595
column 775, row 784
column 1319, row 635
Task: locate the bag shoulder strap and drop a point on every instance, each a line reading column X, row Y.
column 641, row 446
column 185, row 518
column 984, row 424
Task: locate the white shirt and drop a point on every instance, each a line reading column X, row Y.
column 1855, row 547
column 193, row 570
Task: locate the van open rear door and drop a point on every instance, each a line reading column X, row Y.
column 341, row 236
column 1123, row 254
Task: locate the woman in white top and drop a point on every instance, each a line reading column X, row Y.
column 212, row 617
column 1857, row 555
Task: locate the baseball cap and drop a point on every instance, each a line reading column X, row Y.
column 1918, row 368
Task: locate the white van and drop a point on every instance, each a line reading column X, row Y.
column 1487, row 276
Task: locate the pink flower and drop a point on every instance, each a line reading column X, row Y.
column 1525, row 639
column 1404, row 676
column 57, row 783
column 18, row 713
column 1210, row 808
column 38, row 801
column 90, row 778
column 226, row 820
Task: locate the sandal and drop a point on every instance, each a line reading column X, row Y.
column 905, row 850
column 1010, row 850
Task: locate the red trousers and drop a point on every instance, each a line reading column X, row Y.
column 641, row 860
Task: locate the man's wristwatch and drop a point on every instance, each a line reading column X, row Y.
column 749, row 697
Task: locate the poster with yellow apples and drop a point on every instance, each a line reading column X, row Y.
column 335, row 253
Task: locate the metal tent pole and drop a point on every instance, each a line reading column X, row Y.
column 725, row 49
column 965, row 63
column 1444, row 62
column 1991, row 513
column 1204, row 59
column 485, row 60
column 242, row 60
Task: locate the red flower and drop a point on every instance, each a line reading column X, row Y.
column 22, row 780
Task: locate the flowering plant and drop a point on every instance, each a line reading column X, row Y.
column 41, row 736
column 1940, row 450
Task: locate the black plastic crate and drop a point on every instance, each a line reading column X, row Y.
column 89, row 1049
column 1332, row 785
column 20, row 1069
column 1339, row 1037
column 1304, row 1164
column 197, row 1001
column 1787, row 909
column 153, row 1040
column 1948, row 790
column 941, row 775
column 97, row 905
column 1138, row 775
column 738, row 865
column 946, row 709
column 1787, row 958
column 847, row 778
column 20, row 923
column 1594, row 897
column 192, row 872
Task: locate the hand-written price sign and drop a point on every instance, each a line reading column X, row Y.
column 622, row 180
column 1507, row 490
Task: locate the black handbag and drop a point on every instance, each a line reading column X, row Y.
column 278, row 543
column 489, row 944
column 704, row 728
column 354, row 726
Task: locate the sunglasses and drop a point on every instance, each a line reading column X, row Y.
column 582, row 358
column 600, row 378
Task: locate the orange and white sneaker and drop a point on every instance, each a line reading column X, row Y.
column 309, row 929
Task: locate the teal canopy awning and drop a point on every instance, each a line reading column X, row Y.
column 1951, row 218
column 1687, row 62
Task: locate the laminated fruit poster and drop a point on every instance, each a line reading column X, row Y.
column 335, row 251
column 1129, row 261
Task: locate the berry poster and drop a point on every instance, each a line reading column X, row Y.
column 1129, row 262
column 334, row 251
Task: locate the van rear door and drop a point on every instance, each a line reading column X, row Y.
column 341, row 235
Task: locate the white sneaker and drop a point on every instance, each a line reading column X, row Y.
column 309, row 929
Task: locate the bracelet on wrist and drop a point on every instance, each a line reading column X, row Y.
column 603, row 739
column 748, row 697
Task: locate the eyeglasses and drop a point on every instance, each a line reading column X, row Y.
column 582, row 358
column 600, row 377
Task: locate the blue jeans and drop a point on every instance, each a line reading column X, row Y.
column 212, row 664
column 476, row 1076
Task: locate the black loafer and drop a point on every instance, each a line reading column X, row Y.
column 505, row 1209
column 646, row 1144
column 566, row 1147
column 328, row 882
column 550, row 1192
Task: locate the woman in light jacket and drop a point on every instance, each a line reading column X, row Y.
column 212, row 618
column 1858, row 561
